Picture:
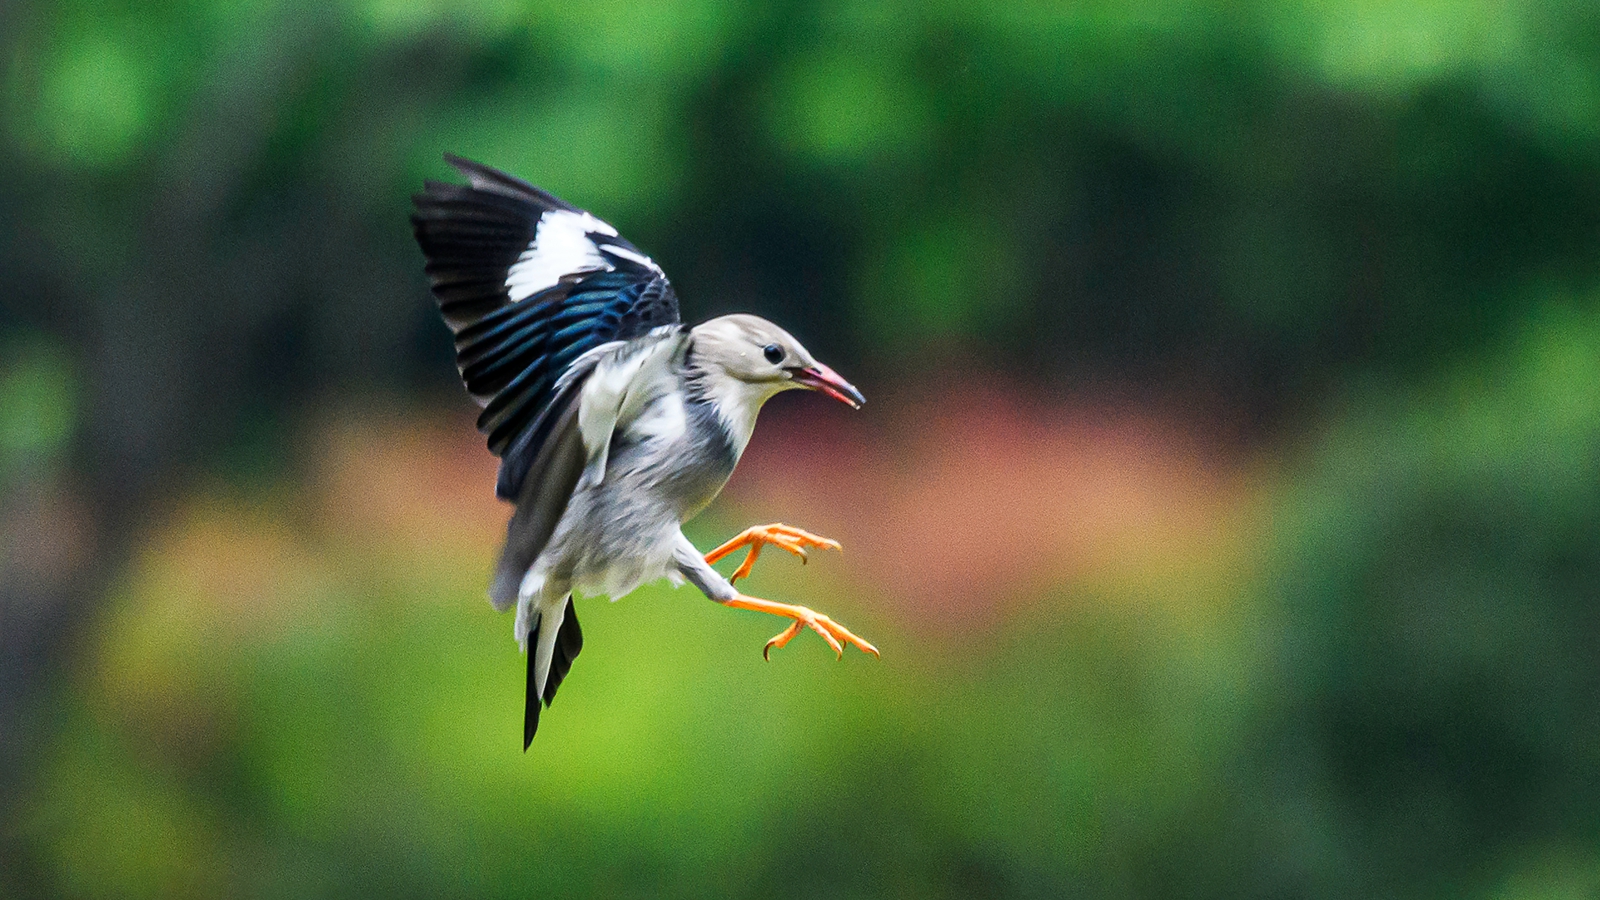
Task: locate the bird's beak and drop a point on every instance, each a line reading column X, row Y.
column 819, row 377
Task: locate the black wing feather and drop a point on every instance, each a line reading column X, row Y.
column 512, row 354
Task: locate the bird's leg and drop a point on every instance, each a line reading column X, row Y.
column 697, row 569
column 831, row 631
column 778, row 535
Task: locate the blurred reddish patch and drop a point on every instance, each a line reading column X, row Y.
column 961, row 505
column 409, row 484
column 955, row 508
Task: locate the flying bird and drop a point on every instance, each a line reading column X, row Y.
column 614, row 421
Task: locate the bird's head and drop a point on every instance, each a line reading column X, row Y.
column 763, row 359
column 743, row 360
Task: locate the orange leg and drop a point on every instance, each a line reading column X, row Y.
column 831, row 631
column 781, row 536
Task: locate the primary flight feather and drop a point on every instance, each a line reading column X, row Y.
column 614, row 421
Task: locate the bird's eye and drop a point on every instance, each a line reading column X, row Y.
column 773, row 353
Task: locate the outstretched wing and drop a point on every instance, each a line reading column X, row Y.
column 529, row 283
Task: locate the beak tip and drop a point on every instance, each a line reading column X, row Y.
column 821, row 378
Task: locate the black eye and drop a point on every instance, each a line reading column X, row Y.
column 773, row 353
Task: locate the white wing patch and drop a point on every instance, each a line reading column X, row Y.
column 561, row 246
column 640, row 258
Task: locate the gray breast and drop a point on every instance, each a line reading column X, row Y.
column 687, row 472
column 619, row 532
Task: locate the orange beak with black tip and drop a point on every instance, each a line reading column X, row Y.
column 818, row 377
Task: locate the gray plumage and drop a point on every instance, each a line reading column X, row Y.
column 615, row 422
column 669, row 454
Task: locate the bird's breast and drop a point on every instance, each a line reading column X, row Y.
column 677, row 446
column 664, row 421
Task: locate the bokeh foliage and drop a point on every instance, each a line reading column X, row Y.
column 296, row 710
column 1360, row 233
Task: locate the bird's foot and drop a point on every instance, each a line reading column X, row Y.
column 784, row 537
column 835, row 634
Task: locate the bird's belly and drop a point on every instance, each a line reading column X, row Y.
column 621, row 533
column 611, row 542
column 614, row 576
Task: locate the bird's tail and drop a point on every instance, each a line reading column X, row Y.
column 553, row 643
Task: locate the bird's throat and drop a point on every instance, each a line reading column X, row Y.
column 736, row 404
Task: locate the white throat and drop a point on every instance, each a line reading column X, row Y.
column 737, row 403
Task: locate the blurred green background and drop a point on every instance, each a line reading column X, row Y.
column 1227, row 507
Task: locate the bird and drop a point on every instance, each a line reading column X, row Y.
column 613, row 420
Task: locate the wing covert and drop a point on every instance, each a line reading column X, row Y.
column 529, row 283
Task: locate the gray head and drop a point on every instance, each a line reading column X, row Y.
column 766, row 359
column 743, row 360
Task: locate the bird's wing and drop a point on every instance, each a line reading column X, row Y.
column 553, row 475
column 529, row 284
column 626, row 376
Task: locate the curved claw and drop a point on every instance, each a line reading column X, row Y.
column 838, row 633
column 784, row 537
column 816, row 625
column 835, row 634
column 781, row 640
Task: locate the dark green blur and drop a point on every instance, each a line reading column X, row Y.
column 1350, row 249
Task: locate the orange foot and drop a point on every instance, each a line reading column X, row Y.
column 831, row 631
column 784, row 537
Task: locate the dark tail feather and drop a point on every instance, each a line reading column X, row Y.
column 569, row 641
column 530, row 713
